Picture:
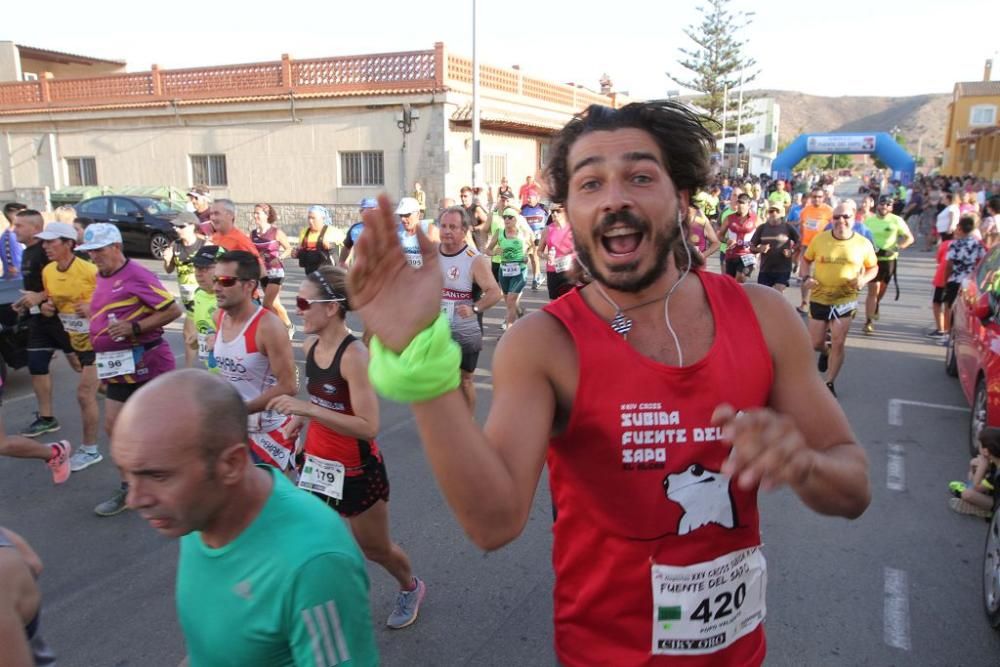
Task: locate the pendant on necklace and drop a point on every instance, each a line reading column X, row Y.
column 621, row 324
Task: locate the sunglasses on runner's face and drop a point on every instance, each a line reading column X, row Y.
column 225, row 281
column 304, row 304
column 845, row 216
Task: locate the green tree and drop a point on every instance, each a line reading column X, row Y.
column 719, row 63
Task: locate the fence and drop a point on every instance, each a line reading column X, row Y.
column 385, row 73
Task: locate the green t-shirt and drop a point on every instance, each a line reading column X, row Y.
column 886, row 232
column 511, row 250
column 780, row 197
column 291, row 589
column 496, row 229
column 184, row 264
column 205, row 308
column 706, row 203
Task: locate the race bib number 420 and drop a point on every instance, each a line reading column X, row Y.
column 704, row 608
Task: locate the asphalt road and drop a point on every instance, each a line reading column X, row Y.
column 901, row 585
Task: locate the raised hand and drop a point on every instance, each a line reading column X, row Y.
column 395, row 300
column 768, row 448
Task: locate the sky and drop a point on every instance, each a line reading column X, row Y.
column 846, row 47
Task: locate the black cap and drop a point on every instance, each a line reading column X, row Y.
column 207, row 255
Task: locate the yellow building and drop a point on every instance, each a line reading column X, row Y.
column 972, row 141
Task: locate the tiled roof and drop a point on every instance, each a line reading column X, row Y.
column 62, row 56
column 977, row 88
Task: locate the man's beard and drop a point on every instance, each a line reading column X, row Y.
column 618, row 278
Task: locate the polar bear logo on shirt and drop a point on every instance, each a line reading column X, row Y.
column 703, row 495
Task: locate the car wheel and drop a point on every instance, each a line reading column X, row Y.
column 977, row 420
column 991, row 571
column 950, row 362
column 157, row 244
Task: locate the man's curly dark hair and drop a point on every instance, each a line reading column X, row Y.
column 685, row 142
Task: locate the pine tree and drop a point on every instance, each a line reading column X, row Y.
column 719, row 63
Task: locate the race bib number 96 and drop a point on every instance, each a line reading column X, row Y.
column 113, row 364
column 704, row 608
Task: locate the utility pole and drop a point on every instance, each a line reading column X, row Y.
column 739, row 127
column 725, row 109
column 476, row 165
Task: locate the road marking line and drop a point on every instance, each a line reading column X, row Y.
column 896, row 409
column 897, row 609
column 895, row 474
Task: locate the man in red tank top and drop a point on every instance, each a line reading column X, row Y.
column 624, row 388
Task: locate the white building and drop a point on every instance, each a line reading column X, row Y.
column 760, row 145
column 289, row 132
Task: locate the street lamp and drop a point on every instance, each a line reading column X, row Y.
column 405, row 121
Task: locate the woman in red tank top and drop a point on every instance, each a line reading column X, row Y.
column 343, row 466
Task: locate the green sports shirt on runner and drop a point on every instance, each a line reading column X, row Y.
column 291, row 589
column 780, row 197
column 886, row 232
column 205, row 308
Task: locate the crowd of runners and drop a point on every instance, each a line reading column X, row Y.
column 280, row 499
column 843, row 251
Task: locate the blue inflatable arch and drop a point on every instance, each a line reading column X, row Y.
column 881, row 144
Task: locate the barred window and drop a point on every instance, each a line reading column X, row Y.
column 361, row 168
column 495, row 168
column 209, row 170
column 82, row 170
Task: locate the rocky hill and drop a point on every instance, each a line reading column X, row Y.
column 921, row 119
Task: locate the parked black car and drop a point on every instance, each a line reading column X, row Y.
column 143, row 221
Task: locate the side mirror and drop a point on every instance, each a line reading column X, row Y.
column 983, row 309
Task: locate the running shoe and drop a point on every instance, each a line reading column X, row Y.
column 540, row 280
column 82, row 460
column 829, row 385
column 956, row 488
column 41, row 426
column 869, row 327
column 407, row 606
column 823, row 362
column 963, row 507
column 935, row 333
column 113, row 505
column 802, row 310
column 59, row 463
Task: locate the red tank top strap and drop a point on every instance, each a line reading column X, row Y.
column 251, row 333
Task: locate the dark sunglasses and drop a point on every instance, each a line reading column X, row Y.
column 225, row 281
column 304, row 304
column 845, row 216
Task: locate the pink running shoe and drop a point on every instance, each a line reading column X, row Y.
column 59, row 463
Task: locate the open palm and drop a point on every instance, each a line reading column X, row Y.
column 396, row 300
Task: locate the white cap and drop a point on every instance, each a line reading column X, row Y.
column 407, row 205
column 100, row 235
column 57, row 230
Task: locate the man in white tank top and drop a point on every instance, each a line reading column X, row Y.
column 463, row 268
column 253, row 353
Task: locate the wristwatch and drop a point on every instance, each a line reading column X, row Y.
column 475, row 309
column 136, row 329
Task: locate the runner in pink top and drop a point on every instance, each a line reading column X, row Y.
column 560, row 253
column 127, row 312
